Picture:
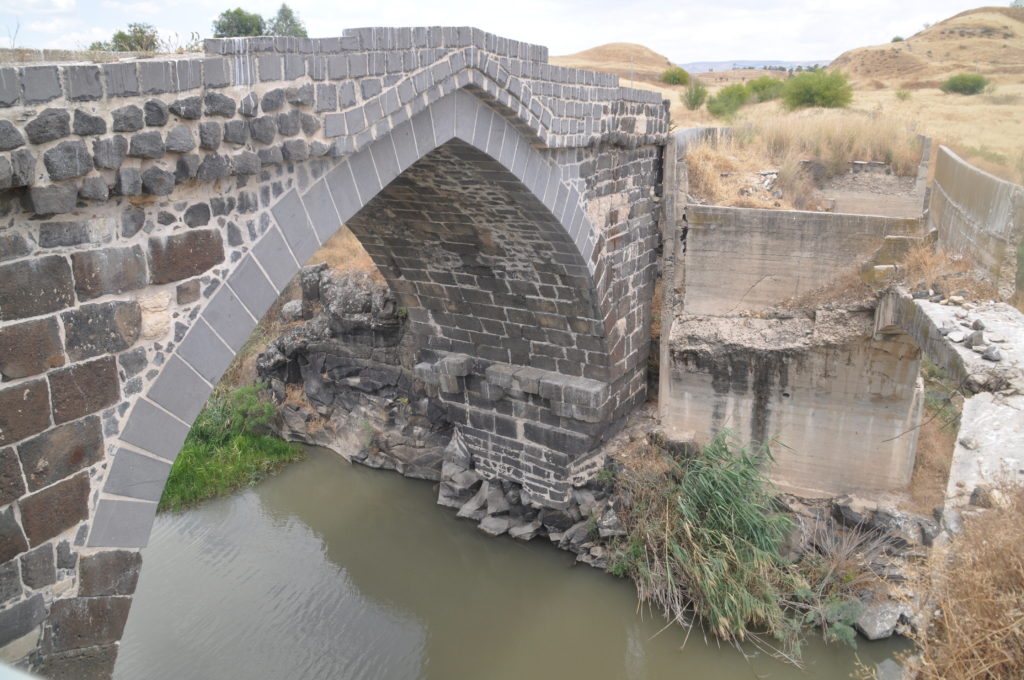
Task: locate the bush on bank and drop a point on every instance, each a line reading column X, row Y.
column 227, row 448
column 965, row 83
column 827, row 89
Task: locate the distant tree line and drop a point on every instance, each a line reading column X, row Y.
column 142, row 37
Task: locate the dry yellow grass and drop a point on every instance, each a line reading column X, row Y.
column 975, row 591
column 629, row 61
column 344, row 252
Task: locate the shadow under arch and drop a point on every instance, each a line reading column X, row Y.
column 552, row 414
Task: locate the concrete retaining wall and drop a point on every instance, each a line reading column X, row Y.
column 979, row 215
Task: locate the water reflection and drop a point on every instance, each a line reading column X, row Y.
column 336, row 571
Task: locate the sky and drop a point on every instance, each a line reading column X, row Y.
column 682, row 30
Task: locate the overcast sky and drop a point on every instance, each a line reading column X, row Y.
column 682, row 30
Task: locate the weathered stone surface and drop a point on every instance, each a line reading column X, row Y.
column 55, row 509
column 84, row 388
column 30, row 348
column 210, row 135
column 131, row 221
column 214, row 167
column 64, row 450
column 197, row 215
column 155, row 113
column 127, row 119
column 10, row 582
column 88, row 124
column 37, row 567
column 23, row 168
column 149, row 144
column 263, row 129
column 94, row 189
column 67, row 160
column 55, row 199
column 111, row 270
column 24, row 411
column 288, row 123
column 13, row 245
column 181, row 256
column 236, row 132
column 91, row 663
column 273, row 100
column 87, row 621
column 12, row 539
column 186, row 168
column 56, row 234
column 12, row 485
column 310, row 124
column 218, row 104
column 115, row 572
column 18, row 620
column 35, row 287
column 66, row 557
column 246, row 163
column 249, row 106
column 271, row 156
column 157, row 181
column 189, row 108
column 879, row 620
column 295, row 150
column 300, row 96
column 108, row 154
column 180, row 139
column 100, row 328
column 128, row 182
column 49, row 125
column 187, row 292
column 10, row 136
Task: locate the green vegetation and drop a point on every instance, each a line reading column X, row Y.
column 965, row 83
column 226, row 448
column 898, row 38
column 765, row 88
column 704, row 536
column 695, row 95
column 828, row 89
column 676, row 75
column 903, row 94
column 138, row 38
column 239, row 23
column 728, row 101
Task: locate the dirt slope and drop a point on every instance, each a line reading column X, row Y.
column 629, row 61
column 987, row 40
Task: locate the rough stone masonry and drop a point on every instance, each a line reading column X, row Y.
column 152, row 210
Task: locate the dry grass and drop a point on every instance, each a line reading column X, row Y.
column 726, row 173
column 975, row 592
column 629, row 61
column 344, row 252
column 928, row 265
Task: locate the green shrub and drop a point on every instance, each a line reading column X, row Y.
column 728, row 101
column 829, row 89
column 227, row 448
column 903, row 95
column 965, row 83
column 898, row 38
column 695, row 95
column 676, row 75
column 765, row 88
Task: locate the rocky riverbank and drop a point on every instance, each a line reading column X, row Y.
column 342, row 373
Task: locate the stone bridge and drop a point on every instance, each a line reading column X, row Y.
column 152, row 210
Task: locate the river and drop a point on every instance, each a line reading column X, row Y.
column 334, row 571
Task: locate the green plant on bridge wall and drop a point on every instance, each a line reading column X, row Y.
column 228, row 447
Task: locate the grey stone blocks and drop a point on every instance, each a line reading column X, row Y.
column 122, row 524
column 180, row 390
column 152, row 429
column 251, row 286
column 205, row 352
column 137, row 476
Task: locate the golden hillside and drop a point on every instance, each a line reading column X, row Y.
column 987, row 40
column 626, row 60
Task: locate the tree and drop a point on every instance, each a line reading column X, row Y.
column 818, row 88
column 286, row 22
column 695, row 94
column 676, row 75
column 234, row 23
column 138, row 38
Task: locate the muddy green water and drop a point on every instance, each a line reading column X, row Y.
column 335, row 571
